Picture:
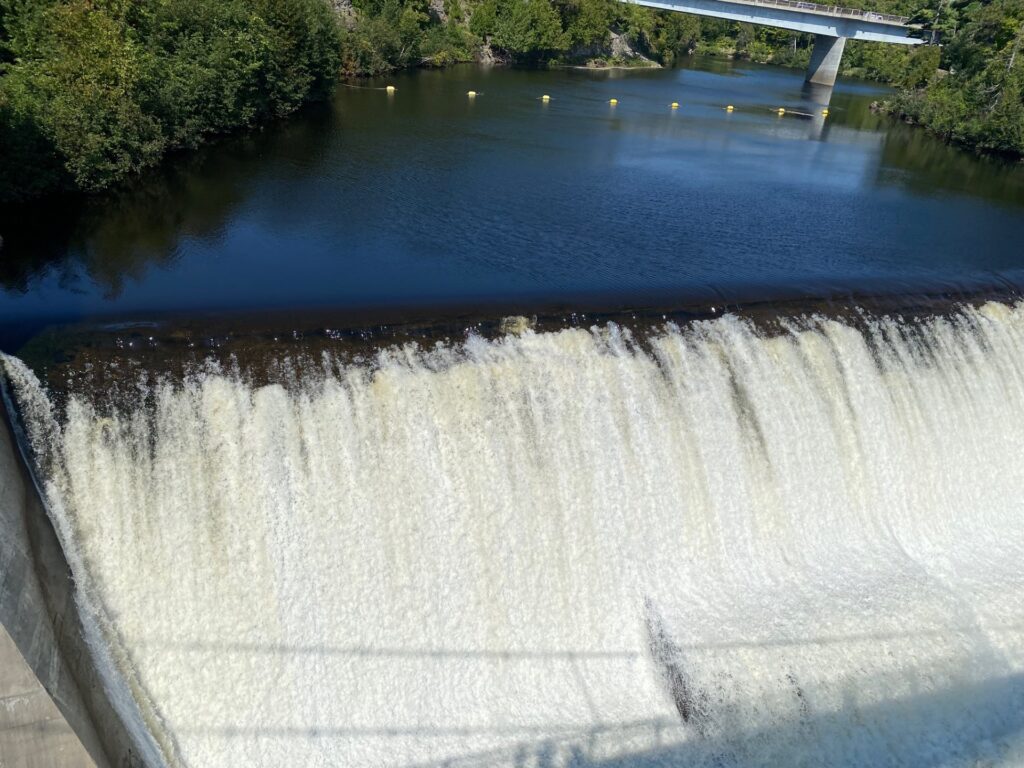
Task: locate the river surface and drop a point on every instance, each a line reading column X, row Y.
column 429, row 198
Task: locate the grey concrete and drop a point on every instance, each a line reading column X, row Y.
column 38, row 611
column 830, row 25
column 811, row 20
column 825, row 58
column 33, row 732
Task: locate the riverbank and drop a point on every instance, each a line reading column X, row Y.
column 95, row 93
column 996, row 132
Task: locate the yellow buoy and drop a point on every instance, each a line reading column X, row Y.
column 471, row 94
column 613, row 102
column 781, row 111
column 390, row 89
column 545, row 97
column 730, row 108
column 824, row 113
column 675, row 105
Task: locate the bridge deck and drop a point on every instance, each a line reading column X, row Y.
column 834, row 11
column 827, row 21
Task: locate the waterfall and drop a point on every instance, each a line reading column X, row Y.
column 710, row 546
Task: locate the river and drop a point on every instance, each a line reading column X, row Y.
column 429, row 198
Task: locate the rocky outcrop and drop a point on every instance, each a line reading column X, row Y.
column 437, row 11
column 616, row 52
column 490, row 56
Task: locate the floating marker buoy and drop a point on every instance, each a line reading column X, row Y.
column 674, row 105
column 730, row 108
column 390, row 89
column 824, row 112
column 613, row 102
column 545, row 97
column 471, row 94
column 781, row 111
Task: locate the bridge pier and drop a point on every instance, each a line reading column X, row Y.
column 825, row 58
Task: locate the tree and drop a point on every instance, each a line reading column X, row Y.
column 93, row 91
column 587, row 21
column 529, row 27
column 78, row 83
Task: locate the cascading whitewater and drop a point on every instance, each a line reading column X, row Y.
column 716, row 547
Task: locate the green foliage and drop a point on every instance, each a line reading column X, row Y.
column 79, row 83
column 96, row 90
column 587, row 22
column 448, row 43
column 677, row 35
column 980, row 102
column 30, row 167
column 529, row 27
column 920, row 67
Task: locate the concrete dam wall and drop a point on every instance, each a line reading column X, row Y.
column 54, row 710
column 685, row 544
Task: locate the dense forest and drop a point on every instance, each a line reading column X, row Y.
column 92, row 91
column 977, row 98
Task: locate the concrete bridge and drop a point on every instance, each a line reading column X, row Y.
column 831, row 25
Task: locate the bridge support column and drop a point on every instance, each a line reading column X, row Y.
column 825, row 57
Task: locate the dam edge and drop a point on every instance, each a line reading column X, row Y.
column 39, row 611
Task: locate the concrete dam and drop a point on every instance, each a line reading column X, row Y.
column 704, row 543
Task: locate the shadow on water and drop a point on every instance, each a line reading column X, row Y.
column 117, row 236
column 915, row 161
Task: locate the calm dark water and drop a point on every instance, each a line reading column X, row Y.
column 430, row 199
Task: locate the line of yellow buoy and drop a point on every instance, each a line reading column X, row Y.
column 780, row 111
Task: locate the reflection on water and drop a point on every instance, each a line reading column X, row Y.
column 429, row 197
column 117, row 236
column 914, row 161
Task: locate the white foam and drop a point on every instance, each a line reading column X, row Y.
column 445, row 558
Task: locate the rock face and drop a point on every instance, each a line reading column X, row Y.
column 345, row 12
column 436, row 9
column 621, row 48
column 617, row 47
column 492, row 57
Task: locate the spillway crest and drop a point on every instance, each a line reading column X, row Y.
column 711, row 546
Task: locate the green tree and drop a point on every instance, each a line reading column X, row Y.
column 587, row 21
column 529, row 27
column 92, row 91
column 78, row 82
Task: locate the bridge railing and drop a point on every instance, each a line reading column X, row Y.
column 834, row 10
